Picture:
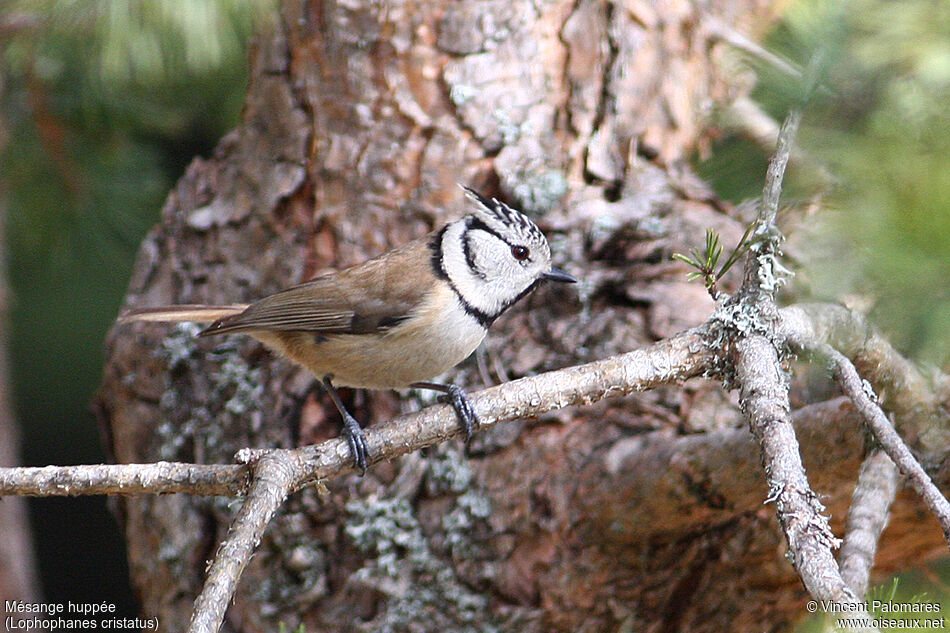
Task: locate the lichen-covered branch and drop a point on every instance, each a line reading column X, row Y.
column 751, row 320
column 278, row 472
column 764, row 400
column 678, row 358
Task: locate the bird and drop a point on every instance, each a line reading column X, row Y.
column 399, row 319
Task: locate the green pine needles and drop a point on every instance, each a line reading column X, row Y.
column 706, row 260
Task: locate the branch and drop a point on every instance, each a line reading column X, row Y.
column 901, row 386
column 775, row 175
column 764, row 400
column 867, row 518
column 862, row 395
column 273, row 476
column 678, row 358
column 750, row 319
column 124, row 479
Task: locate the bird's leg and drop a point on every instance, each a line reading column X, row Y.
column 455, row 396
column 351, row 429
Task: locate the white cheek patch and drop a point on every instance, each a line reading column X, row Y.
column 471, row 288
column 476, row 261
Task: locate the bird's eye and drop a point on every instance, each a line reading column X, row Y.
column 520, row 253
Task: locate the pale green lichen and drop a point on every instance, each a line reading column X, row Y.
column 448, row 470
column 402, row 563
column 460, row 94
column 226, row 398
column 179, row 347
column 506, row 127
column 539, row 190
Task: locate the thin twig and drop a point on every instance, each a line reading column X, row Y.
column 906, row 393
column 783, row 145
column 862, row 395
column 763, row 273
column 273, row 478
column 737, row 40
column 124, row 479
column 867, row 518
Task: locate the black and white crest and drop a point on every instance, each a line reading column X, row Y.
column 502, row 219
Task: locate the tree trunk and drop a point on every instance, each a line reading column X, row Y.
column 641, row 514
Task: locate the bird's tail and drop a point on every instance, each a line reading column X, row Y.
column 180, row 313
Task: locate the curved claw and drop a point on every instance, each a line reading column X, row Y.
column 458, row 399
column 464, row 410
column 356, row 440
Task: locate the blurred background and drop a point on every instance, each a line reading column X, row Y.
column 103, row 104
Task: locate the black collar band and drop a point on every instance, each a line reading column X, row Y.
column 438, row 267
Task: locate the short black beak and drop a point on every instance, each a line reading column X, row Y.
column 558, row 275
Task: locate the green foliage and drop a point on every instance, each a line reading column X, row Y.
column 104, row 103
column 93, row 132
column 885, row 132
column 894, row 601
column 880, row 126
column 136, row 42
column 706, row 260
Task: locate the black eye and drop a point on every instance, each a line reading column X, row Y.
column 520, row 253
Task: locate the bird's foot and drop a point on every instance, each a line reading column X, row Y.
column 468, row 420
column 356, row 439
column 458, row 399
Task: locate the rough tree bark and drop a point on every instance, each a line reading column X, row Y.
column 361, row 117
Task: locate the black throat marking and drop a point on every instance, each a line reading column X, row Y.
column 438, row 267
